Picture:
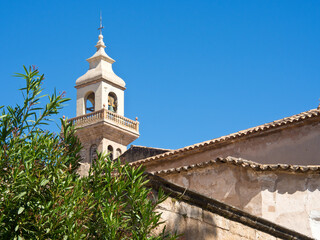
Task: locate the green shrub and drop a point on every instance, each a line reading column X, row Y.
column 41, row 194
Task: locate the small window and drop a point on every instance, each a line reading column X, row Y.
column 112, row 102
column 118, row 153
column 93, row 153
column 110, row 152
column 90, row 103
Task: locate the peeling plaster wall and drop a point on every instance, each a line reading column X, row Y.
column 289, row 199
column 196, row 223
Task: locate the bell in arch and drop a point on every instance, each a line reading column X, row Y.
column 112, row 102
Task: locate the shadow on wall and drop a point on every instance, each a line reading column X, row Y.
column 190, row 221
column 291, row 183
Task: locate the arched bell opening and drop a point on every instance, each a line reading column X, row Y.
column 110, row 152
column 90, row 103
column 93, row 153
column 112, row 102
column 118, row 152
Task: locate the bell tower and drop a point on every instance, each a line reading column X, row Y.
column 100, row 110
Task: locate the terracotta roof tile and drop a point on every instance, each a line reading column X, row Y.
column 313, row 113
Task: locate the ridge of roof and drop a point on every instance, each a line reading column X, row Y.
column 242, row 163
column 313, row 113
column 222, row 209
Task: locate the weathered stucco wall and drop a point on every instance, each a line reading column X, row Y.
column 288, row 199
column 197, row 216
column 195, row 223
column 298, row 144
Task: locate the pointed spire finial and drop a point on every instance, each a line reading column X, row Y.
column 101, row 27
column 100, row 43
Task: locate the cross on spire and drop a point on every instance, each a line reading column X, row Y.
column 101, row 27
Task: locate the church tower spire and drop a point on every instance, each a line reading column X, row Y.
column 100, row 109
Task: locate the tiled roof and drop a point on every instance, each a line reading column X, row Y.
column 313, row 114
column 242, row 163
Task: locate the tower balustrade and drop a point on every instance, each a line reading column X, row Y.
column 107, row 116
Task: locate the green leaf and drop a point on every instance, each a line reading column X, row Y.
column 21, row 195
column 21, row 209
column 44, row 182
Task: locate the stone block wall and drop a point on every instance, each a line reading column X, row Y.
column 195, row 223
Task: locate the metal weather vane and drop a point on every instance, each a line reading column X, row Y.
column 101, row 27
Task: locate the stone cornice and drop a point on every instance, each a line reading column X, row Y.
column 98, row 79
column 239, row 162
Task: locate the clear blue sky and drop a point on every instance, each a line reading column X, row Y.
column 195, row 70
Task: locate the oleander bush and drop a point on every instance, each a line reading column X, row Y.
column 41, row 194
